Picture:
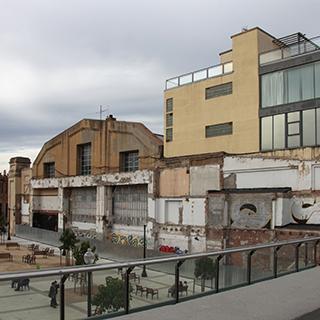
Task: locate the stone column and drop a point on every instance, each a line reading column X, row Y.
column 64, row 215
column 101, row 210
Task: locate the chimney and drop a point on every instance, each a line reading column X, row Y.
column 110, row 117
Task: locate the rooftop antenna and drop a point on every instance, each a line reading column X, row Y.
column 244, row 28
column 102, row 111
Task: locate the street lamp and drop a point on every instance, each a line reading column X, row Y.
column 9, row 235
column 89, row 258
column 144, row 271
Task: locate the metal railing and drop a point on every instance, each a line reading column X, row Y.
column 202, row 74
column 258, row 262
column 290, row 51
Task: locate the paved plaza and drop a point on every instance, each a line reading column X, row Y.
column 35, row 303
column 285, row 298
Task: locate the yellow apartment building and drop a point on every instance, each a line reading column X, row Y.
column 262, row 96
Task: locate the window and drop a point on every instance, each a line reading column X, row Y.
column 219, row 130
column 49, row 170
column 129, row 161
column 169, row 105
column 169, row 134
column 291, row 130
column 291, row 85
column 220, row 90
column 293, row 125
column 169, row 119
column 266, row 137
column 84, row 159
column 309, row 127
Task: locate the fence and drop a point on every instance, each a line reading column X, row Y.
column 187, row 277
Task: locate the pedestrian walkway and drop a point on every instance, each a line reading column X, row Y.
column 284, row 298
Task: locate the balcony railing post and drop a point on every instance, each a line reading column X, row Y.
column 62, row 301
column 177, row 279
column 306, row 254
column 217, row 272
column 315, row 252
column 127, row 290
column 89, row 294
column 275, row 261
column 249, row 260
column 297, row 257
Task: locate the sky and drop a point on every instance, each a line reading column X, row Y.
column 60, row 60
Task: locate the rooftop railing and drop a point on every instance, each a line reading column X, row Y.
column 84, row 291
column 290, row 51
column 202, row 74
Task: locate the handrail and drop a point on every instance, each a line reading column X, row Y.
column 198, row 75
column 284, row 52
column 150, row 261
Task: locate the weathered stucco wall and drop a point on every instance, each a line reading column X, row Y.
column 254, row 172
column 108, row 139
column 192, row 211
column 174, row 182
column 204, row 178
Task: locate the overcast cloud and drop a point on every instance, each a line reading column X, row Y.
column 60, row 60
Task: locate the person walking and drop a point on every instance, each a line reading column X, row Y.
column 53, row 291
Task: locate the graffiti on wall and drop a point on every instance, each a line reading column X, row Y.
column 127, row 240
column 305, row 211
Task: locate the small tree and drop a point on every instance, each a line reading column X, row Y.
column 69, row 241
column 80, row 250
column 205, row 269
column 110, row 297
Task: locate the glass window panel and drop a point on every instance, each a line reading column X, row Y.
column 294, row 141
column 318, row 126
column 169, row 119
column 309, row 127
column 294, row 84
column 294, row 128
column 272, row 89
column 270, row 56
column 279, row 131
column 169, row 105
column 307, row 84
column 199, row 75
column 219, row 130
column 294, row 116
column 215, row 71
column 317, row 79
column 84, row 158
column 228, row 67
column 169, row 134
column 186, row 79
column 171, row 83
column 266, row 133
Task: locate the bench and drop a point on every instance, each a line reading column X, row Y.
column 152, row 292
column 182, row 288
column 12, row 245
column 6, row 255
column 132, row 276
column 141, row 289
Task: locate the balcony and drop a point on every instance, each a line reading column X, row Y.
column 290, row 50
column 202, row 74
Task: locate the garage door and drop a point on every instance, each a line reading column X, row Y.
column 83, row 205
column 130, row 204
